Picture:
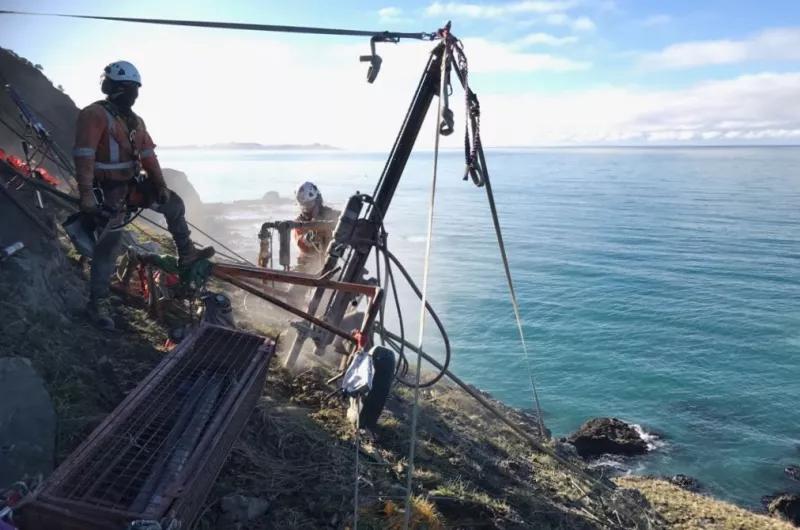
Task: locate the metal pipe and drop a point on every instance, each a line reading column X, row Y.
column 283, row 305
column 295, row 278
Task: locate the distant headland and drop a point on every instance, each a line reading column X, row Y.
column 256, row 146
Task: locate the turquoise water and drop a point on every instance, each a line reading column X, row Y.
column 657, row 285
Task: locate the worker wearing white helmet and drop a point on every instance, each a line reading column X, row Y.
column 112, row 149
column 312, row 242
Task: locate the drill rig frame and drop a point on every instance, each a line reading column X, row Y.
column 360, row 226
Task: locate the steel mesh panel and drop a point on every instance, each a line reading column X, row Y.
column 181, row 420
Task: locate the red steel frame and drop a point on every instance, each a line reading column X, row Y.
column 245, row 277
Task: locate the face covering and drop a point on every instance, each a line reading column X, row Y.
column 125, row 96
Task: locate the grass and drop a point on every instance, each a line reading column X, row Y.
column 684, row 510
column 390, row 515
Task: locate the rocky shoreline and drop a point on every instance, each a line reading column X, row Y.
column 600, row 438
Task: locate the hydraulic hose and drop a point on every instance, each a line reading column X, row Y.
column 433, row 315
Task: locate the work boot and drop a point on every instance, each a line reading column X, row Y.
column 100, row 313
column 193, row 254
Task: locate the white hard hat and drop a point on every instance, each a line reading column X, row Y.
column 307, row 194
column 122, row 71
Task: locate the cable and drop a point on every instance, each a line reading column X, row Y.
column 217, row 242
column 165, row 229
column 241, row 26
column 513, row 293
column 402, row 366
column 28, row 113
column 433, row 315
column 22, row 137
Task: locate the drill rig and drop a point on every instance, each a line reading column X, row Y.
column 360, row 229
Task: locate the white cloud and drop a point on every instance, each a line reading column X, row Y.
column 268, row 89
column 553, row 12
column 392, row 15
column 546, row 39
column 487, row 56
column 389, row 12
column 781, row 44
column 577, row 24
column 753, row 108
column 583, row 24
column 656, row 20
column 438, row 9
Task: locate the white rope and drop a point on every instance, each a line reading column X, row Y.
column 422, row 313
column 358, row 471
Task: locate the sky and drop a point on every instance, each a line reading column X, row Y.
column 547, row 72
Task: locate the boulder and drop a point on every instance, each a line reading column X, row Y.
column 607, row 436
column 272, row 197
column 179, row 182
column 686, row 482
column 792, row 472
column 27, row 423
column 786, row 506
column 565, row 450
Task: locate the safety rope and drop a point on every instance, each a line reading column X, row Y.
column 27, row 114
column 513, row 294
column 238, row 258
column 243, row 26
column 22, row 136
column 425, row 272
column 358, row 460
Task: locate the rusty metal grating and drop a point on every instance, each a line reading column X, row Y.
column 157, row 455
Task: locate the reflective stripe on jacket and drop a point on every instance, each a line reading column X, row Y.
column 104, row 151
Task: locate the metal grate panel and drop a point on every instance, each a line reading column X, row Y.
column 161, row 449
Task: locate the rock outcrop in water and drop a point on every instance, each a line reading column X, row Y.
column 180, row 184
column 786, row 506
column 686, row 482
column 601, row 436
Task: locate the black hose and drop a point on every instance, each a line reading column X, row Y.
column 435, row 318
column 402, row 366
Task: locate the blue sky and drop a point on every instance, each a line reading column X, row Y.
column 548, row 71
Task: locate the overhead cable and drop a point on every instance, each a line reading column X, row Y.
column 242, row 26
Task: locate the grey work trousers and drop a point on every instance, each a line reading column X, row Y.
column 107, row 247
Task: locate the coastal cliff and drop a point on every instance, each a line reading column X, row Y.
column 295, row 459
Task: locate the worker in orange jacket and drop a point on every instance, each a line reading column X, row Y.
column 115, row 161
column 312, row 243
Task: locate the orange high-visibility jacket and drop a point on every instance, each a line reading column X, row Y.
column 104, row 150
column 323, row 235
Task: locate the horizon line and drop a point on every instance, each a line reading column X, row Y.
column 325, row 147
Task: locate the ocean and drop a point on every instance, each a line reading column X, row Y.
column 657, row 285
